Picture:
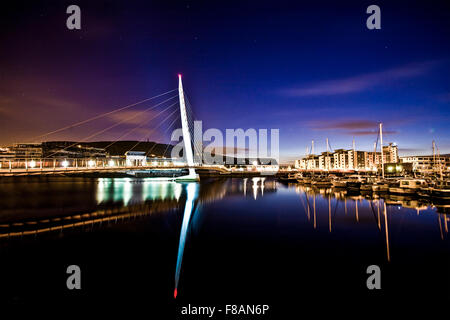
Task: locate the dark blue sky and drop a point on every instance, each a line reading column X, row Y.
column 313, row 70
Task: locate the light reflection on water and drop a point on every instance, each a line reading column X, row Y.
column 253, row 198
column 325, row 209
column 131, row 191
column 192, row 193
column 386, row 227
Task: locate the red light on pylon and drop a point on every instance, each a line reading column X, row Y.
column 179, row 75
column 175, row 293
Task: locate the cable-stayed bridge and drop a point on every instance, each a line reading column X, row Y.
column 174, row 108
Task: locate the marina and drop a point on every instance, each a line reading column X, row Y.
column 435, row 188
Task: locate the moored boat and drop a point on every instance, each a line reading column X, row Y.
column 380, row 187
column 323, row 182
column 291, row 177
column 367, row 187
column 354, row 182
column 339, row 183
column 408, row 186
column 440, row 190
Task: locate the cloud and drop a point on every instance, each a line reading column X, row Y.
column 360, row 82
column 132, row 117
column 347, row 124
column 358, row 127
column 369, row 132
column 55, row 103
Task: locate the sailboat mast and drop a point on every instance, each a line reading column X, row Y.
column 374, row 162
column 434, row 156
column 381, row 146
column 439, row 161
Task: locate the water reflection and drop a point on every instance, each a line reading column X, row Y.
column 124, row 190
column 131, row 191
column 325, row 212
column 192, row 194
column 261, row 220
column 383, row 204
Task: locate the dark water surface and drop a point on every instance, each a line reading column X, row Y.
column 220, row 241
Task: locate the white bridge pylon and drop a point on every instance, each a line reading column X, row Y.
column 192, row 176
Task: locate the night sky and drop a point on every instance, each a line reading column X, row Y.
column 309, row 68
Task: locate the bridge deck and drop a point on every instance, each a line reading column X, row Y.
column 71, row 170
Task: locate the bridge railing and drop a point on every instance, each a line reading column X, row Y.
column 61, row 164
column 48, row 165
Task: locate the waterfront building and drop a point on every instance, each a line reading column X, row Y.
column 7, row 154
column 373, row 159
column 26, row 150
column 428, row 164
column 397, row 169
column 310, row 162
column 390, row 153
column 136, row 158
column 299, row 164
column 326, row 161
column 67, row 149
column 342, row 159
column 361, row 160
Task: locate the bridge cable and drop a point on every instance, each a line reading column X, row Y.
column 198, row 148
column 113, row 126
column 142, row 122
column 153, row 129
column 148, row 152
column 167, row 146
column 101, row 115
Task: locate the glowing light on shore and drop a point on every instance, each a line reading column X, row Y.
column 91, row 163
column 65, row 163
column 32, row 164
column 111, row 163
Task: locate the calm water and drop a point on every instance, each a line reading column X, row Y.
column 221, row 241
